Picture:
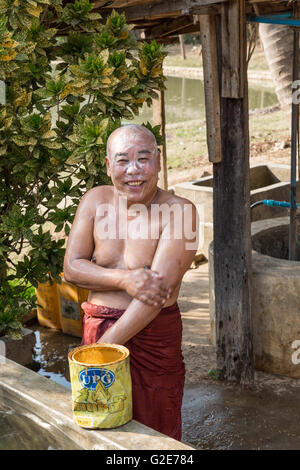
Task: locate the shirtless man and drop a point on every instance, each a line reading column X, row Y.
column 134, row 281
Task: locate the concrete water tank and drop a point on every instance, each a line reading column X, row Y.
column 266, row 182
column 275, row 299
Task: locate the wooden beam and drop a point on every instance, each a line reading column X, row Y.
column 172, row 39
column 159, row 118
column 145, row 23
column 167, row 8
column 120, row 3
column 190, row 29
column 233, row 41
column 266, row 8
column 167, row 28
column 208, row 10
column 211, row 86
column 232, row 240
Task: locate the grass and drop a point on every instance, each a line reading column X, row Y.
column 272, row 125
column 193, row 59
column 176, row 61
column 187, row 148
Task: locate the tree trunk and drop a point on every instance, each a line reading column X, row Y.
column 277, row 41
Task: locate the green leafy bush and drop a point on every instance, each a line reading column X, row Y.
column 69, row 78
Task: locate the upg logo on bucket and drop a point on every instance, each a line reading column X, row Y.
column 90, row 377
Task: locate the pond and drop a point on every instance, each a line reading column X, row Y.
column 184, row 100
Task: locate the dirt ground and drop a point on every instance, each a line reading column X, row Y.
column 268, row 147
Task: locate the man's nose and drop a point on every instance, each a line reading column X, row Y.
column 132, row 168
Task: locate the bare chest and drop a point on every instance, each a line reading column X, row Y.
column 125, row 244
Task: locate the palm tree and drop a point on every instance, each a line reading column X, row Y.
column 277, row 41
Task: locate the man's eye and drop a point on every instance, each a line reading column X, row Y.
column 122, row 161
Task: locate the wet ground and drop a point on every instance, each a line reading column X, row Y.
column 51, row 353
column 217, row 417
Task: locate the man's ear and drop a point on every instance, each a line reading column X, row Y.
column 107, row 161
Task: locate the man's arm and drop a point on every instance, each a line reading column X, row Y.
column 172, row 259
column 78, row 269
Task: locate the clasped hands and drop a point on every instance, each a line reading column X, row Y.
column 146, row 285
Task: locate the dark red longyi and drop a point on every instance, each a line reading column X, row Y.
column 156, row 364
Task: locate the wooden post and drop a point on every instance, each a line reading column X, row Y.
column 232, row 239
column 159, row 118
column 232, row 34
column 182, row 48
column 211, row 86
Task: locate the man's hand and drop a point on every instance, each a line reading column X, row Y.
column 146, row 286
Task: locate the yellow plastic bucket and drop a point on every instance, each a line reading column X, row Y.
column 70, row 300
column 48, row 311
column 101, row 385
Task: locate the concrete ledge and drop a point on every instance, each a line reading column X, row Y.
column 25, row 389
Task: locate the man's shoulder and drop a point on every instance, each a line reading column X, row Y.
column 99, row 194
column 169, row 198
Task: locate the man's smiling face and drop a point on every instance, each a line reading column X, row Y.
column 133, row 163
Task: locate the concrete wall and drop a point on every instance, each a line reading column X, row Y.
column 266, row 182
column 275, row 306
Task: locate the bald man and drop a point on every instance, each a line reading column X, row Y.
column 126, row 247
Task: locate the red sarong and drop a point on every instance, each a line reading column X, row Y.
column 156, row 364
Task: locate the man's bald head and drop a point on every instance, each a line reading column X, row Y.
column 129, row 130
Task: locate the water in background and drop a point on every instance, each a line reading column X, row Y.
column 184, row 100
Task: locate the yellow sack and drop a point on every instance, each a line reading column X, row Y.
column 70, row 300
column 48, row 310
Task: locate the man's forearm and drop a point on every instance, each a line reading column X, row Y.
column 84, row 273
column 136, row 317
